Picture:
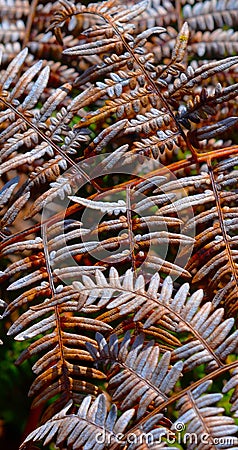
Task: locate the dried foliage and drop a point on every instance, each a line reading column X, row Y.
column 119, row 219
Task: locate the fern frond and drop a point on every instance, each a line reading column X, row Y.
column 131, row 246
column 217, row 42
column 91, row 422
column 136, row 374
column 211, row 131
column 211, row 342
column 215, row 247
column 209, row 14
column 93, row 426
column 194, row 77
column 197, row 410
column 205, row 104
column 56, row 318
column 157, row 13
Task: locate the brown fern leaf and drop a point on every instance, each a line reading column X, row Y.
column 211, row 341
column 118, row 144
column 197, row 410
column 61, row 365
column 136, row 373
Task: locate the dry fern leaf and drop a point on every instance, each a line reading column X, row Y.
column 217, row 42
column 119, row 100
column 6, row 191
column 213, row 262
column 135, row 94
column 54, row 324
column 94, row 427
column 204, row 419
column 136, row 375
column 13, row 16
column 60, row 366
column 38, row 130
column 91, row 421
column 211, row 14
column 133, row 247
column 194, row 77
column 211, row 342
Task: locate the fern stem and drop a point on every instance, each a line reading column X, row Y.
column 130, row 228
column 64, row 371
column 221, row 153
column 222, row 223
column 178, row 13
column 29, row 23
